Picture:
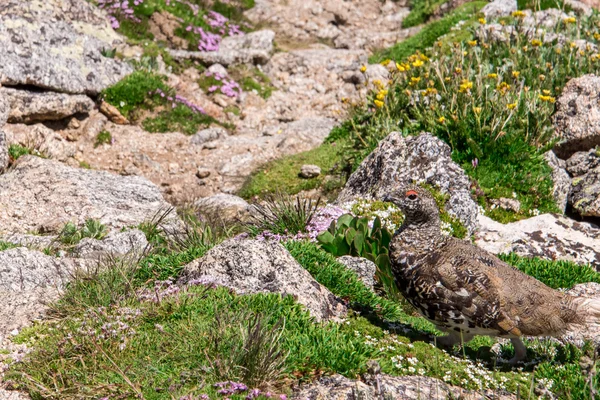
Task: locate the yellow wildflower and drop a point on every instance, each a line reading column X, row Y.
column 572, row 45
column 482, row 21
column 402, row 67
column 558, row 50
column 472, row 43
column 423, row 57
column 502, row 22
column 385, row 62
column 380, row 96
column 465, row 53
column 378, row 83
column 515, row 74
column 546, row 92
column 492, row 75
column 570, row 20
column 525, row 48
column 447, row 79
column 511, row 106
column 597, row 36
column 503, row 87
column 465, row 86
column 429, row 91
column 441, row 120
column 414, row 80
column 549, row 99
column 477, row 110
column 417, row 63
column 363, row 68
column 518, row 14
column 458, row 70
column 542, row 77
column 536, row 42
column 378, row 103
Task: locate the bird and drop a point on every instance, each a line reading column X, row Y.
column 466, row 291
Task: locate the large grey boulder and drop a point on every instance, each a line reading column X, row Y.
column 585, row 194
column 57, row 45
column 253, row 266
column 499, row 8
column 583, row 162
column 29, row 280
column 549, row 236
column 131, row 243
column 28, row 106
column 560, row 178
column 253, row 48
column 223, row 207
column 41, row 139
column 577, row 117
column 399, row 160
column 365, row 269
column 41, row 195
column 382, row 386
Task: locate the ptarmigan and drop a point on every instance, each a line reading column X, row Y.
column 466, row 291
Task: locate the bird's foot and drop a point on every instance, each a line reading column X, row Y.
column 520, row 351
column 453, row 338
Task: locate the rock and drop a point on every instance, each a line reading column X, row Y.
column 365, row 269
column 74, row 38
column 504, row 203
column 561, row 180
column 203, row 173
column 252, row 48
column 585, row 194
column 580, row 334
column 549, row 236
column 218, row 69
column 163, row 26
column 304, row 134
column 499, row 8
column 577, row 116
column 112, row 113
column 131, row 243
column 377, row 72
column 308, row 171
column 424, row 158
column 38, row 137
column 208, row 135
column 252, row 266
column 40, row 195
column 35, row 242
column 30, row 279
column 583, row 162
column 223, row 207
column 383, row 386
column 4, row 156
column 579, row 7
column 27, row 106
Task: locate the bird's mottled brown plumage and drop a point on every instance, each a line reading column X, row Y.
column 467, row 291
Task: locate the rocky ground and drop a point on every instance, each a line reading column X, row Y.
column 54, row 68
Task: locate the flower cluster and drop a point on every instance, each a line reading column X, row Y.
column 220, row 26
column 232, row 388
column 178, row 100
column 161, row 290
column 119, row 9
column 228, row 87
column 114, row 326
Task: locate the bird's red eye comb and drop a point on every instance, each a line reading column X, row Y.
column 411, row 193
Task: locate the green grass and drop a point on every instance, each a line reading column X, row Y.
column 16, row 150
column 420, row 12
column 133, row 92
column 6, row 245
column 282, row 174
column 71, row 234
column 103, row 137
column 178, row 119
column 429, row 34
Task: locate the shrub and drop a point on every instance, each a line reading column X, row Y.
column 181, row 118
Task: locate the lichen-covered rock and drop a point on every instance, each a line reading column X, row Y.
column 131, row 243
column 579, row 334
column 560, row 178
column 585, row 194
column 577, row 117
column 499, row 8
column 40, row 195
column 207, row 135
column 424, row 158
column 28, row 106
column 252, row 48
column 30, row 279
column 583, row 162
column 223, row 207
column 549, row 236
column 57, row 45
column 365, row 269
column 387, row 387
column 163, row 26
column 253, row 266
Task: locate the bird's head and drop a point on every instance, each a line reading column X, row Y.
column 417, row 204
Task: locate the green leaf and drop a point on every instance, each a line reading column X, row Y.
column 325, row 237
column 345, row 220
column 359, row 241
column 350, row 233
